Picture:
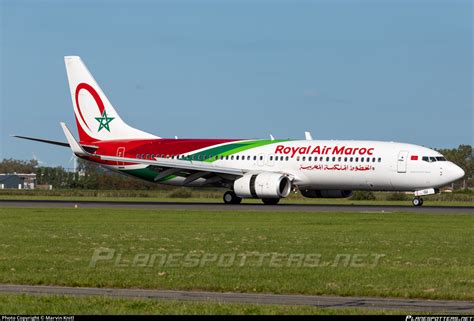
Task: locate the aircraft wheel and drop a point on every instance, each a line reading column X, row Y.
column 231, row 198
column 270, row 201
column 417, row 201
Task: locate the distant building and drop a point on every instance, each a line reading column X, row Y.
column 18, row 181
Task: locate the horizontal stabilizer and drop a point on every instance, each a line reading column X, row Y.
column 43, row 140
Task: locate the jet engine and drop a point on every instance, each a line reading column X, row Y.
column 325, row 193
column 263, row 185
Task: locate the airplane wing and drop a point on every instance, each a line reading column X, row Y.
column 179, row 164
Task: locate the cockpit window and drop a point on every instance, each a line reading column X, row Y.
column 431, row 159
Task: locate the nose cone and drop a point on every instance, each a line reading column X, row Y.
column 456, row 172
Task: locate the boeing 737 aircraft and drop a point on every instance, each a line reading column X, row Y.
column 264, row 169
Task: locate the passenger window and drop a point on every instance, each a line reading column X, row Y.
column 287, row 158
column 237, row 157
column 339, row 159
column 380, row 159
column 255, row 158
column 297, row 158
column 334, row 159
column 362, row 159
column 248, row 157
column 271, row 157
column 227, row 157
column 303, row 158
column 327, row 159
column 356, row 159
column 309, row 158
column 261, row 157
column 350, row 159
column 321, row 158
column 345, row 159
column 232, row 157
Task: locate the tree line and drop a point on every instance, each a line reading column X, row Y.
column 91, row 176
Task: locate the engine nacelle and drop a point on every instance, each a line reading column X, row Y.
column 263, row 185
column 325, row 193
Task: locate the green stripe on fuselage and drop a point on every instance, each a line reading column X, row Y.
column 230, row 149
column 147, row 174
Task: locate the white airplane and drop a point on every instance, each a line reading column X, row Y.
column 263, row 169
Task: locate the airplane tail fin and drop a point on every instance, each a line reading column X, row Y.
column 96, row 118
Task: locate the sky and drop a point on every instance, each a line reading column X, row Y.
column 379, row 70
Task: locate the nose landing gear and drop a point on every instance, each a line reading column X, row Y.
column 417, row 201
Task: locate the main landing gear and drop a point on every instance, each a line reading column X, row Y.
column 417, row 201
column 231, row 198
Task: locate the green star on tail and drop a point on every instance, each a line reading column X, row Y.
column 104, row 121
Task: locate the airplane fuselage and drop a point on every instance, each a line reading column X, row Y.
column 316, row 164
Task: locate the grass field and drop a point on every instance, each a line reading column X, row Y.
column 423, row 255
column 71, row 305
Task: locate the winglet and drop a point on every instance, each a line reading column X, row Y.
column 76, row 148
column 308, row 136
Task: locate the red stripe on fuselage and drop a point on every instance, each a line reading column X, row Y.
column 153, row 146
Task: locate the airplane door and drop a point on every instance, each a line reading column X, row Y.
column 402, row 161
column 120, row 153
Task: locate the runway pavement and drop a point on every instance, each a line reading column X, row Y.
column 403, row 305
column 239, row 207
